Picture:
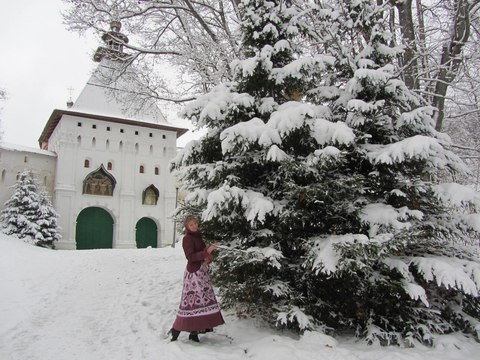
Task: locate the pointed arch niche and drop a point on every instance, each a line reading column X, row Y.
column 150, row 195
column 99, row 182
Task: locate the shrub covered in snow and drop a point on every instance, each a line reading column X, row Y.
column 320, row 174
column 29, row 214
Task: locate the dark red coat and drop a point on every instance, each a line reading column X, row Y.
column 195, row 250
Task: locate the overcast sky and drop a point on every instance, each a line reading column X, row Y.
column 39, row 61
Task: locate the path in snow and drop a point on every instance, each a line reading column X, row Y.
column 119, row 304
column 102, row 304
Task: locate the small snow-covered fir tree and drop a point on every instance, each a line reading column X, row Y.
column 321, row 173
column 29, row 213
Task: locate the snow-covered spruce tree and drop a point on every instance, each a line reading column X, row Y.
column 29, row 214
column 322, row 174
column 238, row 178
column 395, row 260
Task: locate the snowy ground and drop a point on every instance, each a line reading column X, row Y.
column 119, row 304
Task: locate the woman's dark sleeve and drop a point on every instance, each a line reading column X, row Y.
column 189, row 250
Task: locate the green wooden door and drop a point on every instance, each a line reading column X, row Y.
column 146, row 233
column 94, row 229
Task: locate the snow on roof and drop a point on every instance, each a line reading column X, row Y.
column 117, row 92
column 113, row 94
column 57, row 115
column 16, row 147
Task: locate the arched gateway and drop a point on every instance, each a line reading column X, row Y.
column 94, row 229
column 146, row 233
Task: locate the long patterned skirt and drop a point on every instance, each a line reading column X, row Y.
column 199, row 308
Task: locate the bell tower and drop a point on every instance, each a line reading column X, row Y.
column 114, row 41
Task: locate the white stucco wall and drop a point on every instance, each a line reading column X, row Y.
column 126, row 150
column 14, row 159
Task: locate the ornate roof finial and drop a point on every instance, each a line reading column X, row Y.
column 114, row 41
column 70, row 101
column 115, row 25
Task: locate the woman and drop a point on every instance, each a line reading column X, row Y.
column 199, row 311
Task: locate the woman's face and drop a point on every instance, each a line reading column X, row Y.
column 192, row 225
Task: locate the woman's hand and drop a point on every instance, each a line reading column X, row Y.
column 206, row 262
column 212, row 248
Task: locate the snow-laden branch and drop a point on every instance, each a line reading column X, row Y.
column 287, row 118
column 324, row 253
column 385, row 217
column 445, row 274
column 469, row 148
column 254, row 205
column 457, row 195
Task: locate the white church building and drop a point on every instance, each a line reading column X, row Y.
column 104, row 163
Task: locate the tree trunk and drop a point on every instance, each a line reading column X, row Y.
column 409, row 63
column 451, row 59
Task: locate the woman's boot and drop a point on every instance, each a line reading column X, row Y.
column 175, row 334
column 194, row 336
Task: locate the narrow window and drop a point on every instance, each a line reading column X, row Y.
column 25, row 159
column 151, row 135
column 107, row 144
column 150, row 195
column 151, row 149
column 108, row 128
column 157, row 170
column 164, row 136
column 109, row 166
column 142, row 169
column 79, row 124
column 164, row 151
column 79, row 140
column 94, row 143
column 136, row 132
column 18, row 176
column 86, row 163
column 94, row 126
column 3, row 175
column 44, row 181
column 121, row 145
column 136, row 148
